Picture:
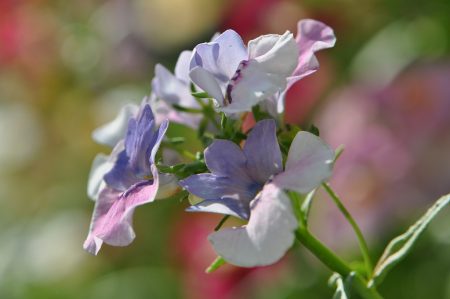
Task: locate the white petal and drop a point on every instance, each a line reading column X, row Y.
column 254, row 85
column 182, row 66
column 276, row 53
column 207, row 82
column 112, row 132
column 309, row 163
column 101, row 165
column 267, row 236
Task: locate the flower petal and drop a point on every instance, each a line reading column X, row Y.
column 171, row 89
column 182, row 66
column 113, row 214
column 309, row 163
column 220, row 57
column 312, row 36
column 277, row 54
column 208, row 83
column 267, row 236
column 263, row 152
column 110, row 133
column 225, row 158
column 253, row 85
column 225, row 195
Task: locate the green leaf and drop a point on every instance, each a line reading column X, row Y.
column 314, row 130
column 306, row 205
column 216, row 264
column 400, row 246
column 200, row 95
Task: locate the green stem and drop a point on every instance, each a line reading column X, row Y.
column 362, row 242
column 334, row 263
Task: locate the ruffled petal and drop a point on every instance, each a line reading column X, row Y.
column 113, row 214
column 273, row 58
column 267, row 236
column 263, row 152
column 312, row 36
column 309, row 163
column 277, row 54
column 110, row 133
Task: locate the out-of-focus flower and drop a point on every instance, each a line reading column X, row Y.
column 249, row 184
column 174, row 89
column 239, row 78
column 132, row 181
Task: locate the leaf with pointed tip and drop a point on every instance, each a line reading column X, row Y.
column 400, row 246
column 216, row 264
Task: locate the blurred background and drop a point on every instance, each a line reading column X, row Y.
column 67, row 67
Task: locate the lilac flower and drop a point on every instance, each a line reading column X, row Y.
column 170, row 89
column 312, row 36
column 132, row 181
column 237, row 77
column 249, row 184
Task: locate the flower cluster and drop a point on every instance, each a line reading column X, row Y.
column 248, row 174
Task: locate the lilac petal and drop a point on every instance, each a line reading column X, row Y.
column 309, row 163
column 110, row 133
column 121, row 176
column 277, row 54
column 312, row 36
column 221, row 194
column 158, row 139
column 113, row 214
column 263, row 152
column 141, row 144
column 267, row 236
column 182, row 66
column 208, row 83
column 139, row 141
column 220, row 57
column 225, row 158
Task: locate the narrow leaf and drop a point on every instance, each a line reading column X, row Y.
column 200, row 95
column 306, row 205
column 400, row 246
column 216, row 264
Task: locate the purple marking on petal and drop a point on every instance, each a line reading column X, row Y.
column 263, row 152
